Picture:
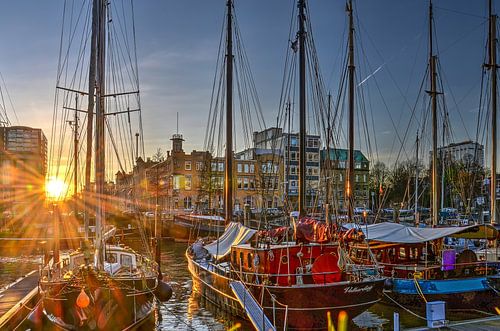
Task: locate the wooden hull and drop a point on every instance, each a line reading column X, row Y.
column 186, row 228
column 115, row 304
column 308, row 305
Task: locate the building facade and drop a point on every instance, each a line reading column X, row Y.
column 23, row 164
column 288, row 144
column 467, row 152
column 334, row 163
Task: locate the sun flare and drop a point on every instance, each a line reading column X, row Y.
column 56, row 188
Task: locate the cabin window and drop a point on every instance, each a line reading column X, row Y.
column 241, row 258
column 77, row 261
column 234, row 257
column 111, row 258
column 249, row 260
column 402, row 253
column 126, row 260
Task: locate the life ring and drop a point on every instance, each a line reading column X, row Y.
column 410, row 275
column 284, row 259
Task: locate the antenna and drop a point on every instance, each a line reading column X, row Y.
column 177, row 123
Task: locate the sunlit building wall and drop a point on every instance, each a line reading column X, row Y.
column 23, row 166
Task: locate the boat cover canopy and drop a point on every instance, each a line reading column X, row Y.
column 235, row 234
column 398, row 233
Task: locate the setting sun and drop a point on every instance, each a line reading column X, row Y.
column 56, row 188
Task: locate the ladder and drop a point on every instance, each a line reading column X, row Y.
column 252, row 308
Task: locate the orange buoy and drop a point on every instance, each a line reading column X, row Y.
column 83, row 299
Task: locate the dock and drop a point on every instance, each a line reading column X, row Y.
column 18, row 300
column 481, row 324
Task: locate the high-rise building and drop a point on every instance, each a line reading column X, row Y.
column 23, row 167
column 467, row 152
column 288, row 144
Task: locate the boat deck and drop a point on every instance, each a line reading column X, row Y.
column 18, row 300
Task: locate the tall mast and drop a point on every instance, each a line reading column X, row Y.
column 90, row 111
column 228, row 174
column 100, row 147
column 75, row 157
column 302, row 108
column 433, row 94
column 351, row 67
column 493, row 70
column 329, row 162
column 416, row 182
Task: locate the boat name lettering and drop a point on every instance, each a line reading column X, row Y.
column 351, row 289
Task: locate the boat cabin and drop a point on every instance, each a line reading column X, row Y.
column 288, row 264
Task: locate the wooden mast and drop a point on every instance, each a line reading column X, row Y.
column 302, row 108
column 433, row 93
column 90, row 113
column 417, row 218
column 493, row 71
column 75, row 157
column 228, row 174
column 100, row 147
column 351, row 68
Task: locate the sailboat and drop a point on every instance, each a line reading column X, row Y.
column 423, row 263
column 300, row 284
column 99, row 286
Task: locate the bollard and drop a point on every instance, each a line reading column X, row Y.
column 396, row 321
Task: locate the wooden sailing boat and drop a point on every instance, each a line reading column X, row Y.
column 100, row 286
column 421, row 262
column 290, row 284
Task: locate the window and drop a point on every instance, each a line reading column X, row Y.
column 246, row 168
column 252, row 183
column 239, row 181
column 126, row 260
column 199, row 166
column 294, row 142
column 111, row 258
column 221, row 166
column 245, row 183
column 252, row 168
column 187, row 182
column 187, row 165
column 214, row 166
column 239, row 168
column 264, row 168
column 188, row 204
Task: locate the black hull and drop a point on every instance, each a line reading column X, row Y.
column 308, row 305
column 115, row 304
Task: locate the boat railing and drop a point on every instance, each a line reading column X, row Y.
column 446, row 270
column 353, row 272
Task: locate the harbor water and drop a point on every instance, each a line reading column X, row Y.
column 187, row 310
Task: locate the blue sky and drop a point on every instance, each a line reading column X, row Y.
column 177, row 48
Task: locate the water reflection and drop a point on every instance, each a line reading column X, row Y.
column 188, row 310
